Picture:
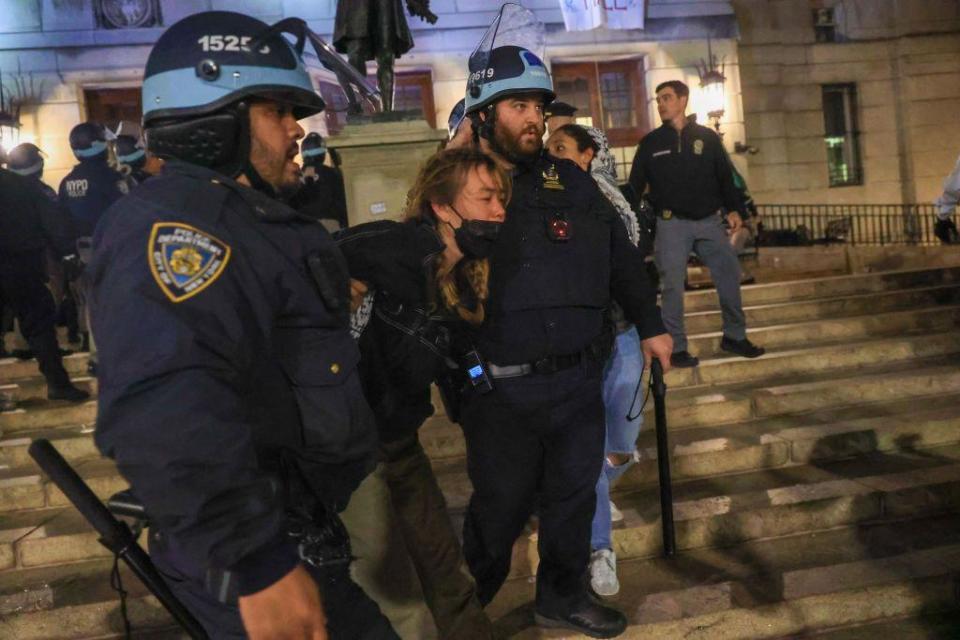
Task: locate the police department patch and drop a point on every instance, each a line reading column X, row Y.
column 184, row 260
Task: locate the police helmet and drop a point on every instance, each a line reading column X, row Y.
column 509, row 71
column 313, row 147
column 88, row 140
column 457, row 114
column 130, row 151
column 198, row 77
column 25, row 159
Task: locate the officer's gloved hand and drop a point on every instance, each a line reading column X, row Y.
column 946, row 231
column 72, row 266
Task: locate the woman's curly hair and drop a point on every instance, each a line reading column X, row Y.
column 464, row 288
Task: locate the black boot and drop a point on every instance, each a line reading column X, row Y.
column 589, row 617
column 59, row 386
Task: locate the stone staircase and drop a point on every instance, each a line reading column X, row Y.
column 817, row 489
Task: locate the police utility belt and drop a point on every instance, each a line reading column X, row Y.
column 547, row 365
column 669, row 214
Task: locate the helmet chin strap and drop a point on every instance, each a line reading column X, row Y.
column 245, row 146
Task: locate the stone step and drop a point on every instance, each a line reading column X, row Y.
column 805, row 334
column 828, row 287
column 75, row 601
column 819, row 396
column 776, row 588
column 35, row 389
column 28, row 488
column 39, row 414
column 846, row 355
column 719, row 511
column 942, row 626
column 838, row 307
column 14, row 369
column 74, row 442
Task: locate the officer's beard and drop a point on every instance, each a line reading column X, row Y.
column 509, row 145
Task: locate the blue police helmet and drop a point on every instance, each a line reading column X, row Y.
column 313, row 146
column 509, row 71
column 87, row 140
column 25, row 159
column 130, row 151
column 210, row 60
column 457, row 114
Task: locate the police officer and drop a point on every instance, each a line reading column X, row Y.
column 558, row 114
column 534, row 422
column 132, row 158
column 322, row 195
column 26, row 159
column 87, row 191
column 945, row 228
column 229, row 395
column 29, row 223
column 459, row 128
column 691, row 183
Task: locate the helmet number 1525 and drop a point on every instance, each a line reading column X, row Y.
column 227, row 43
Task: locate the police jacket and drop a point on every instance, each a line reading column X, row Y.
column 689, row 172
column 407, row 344
column 228, row 377
column 89, row 190
column 30, row 220
column 323, row 196
column 550, row 297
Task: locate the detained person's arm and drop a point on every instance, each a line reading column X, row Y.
column 634, row 292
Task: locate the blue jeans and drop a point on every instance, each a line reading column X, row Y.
column 620, row 379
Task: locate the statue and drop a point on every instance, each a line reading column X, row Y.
column 376, row 30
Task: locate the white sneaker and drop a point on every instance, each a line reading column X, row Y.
column 603, row 572
column 615, row 514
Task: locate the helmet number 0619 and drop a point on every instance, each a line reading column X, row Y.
column 228, row 43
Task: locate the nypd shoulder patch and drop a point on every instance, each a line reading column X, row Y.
column 185, row 260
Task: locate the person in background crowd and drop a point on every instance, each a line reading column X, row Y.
column 29, row 224
column 459, row 128
column 87, row 192
column 132, row 158
column 533, row 415
column 559, row 114
column 691, row 184
column 590, row 150
column 945, row 228
column 322, row 196
column 27, row 160
column 426, row 279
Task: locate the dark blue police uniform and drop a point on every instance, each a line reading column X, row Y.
column 89, row 190
column 229, row 393
column 539, row 435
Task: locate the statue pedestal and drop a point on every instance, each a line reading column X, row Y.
column 380, row 163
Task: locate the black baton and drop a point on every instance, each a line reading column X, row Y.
column 114, row 535
column 659, row 388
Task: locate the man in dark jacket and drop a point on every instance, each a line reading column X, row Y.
column 29, row 223
column 229, row 392
column 691, row 184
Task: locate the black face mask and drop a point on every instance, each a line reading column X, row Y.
column 476, row 237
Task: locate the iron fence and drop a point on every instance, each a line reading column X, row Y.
column 855, row 224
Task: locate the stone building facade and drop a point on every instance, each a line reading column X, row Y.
column 901, row 58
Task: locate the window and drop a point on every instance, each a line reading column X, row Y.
column 414, row 92
column 110, row 107
column 825, row 25
column 842, row 135
column 609, row 96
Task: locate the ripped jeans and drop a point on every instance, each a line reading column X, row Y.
column 620, row 378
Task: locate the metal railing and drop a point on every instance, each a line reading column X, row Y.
column 854, row 224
